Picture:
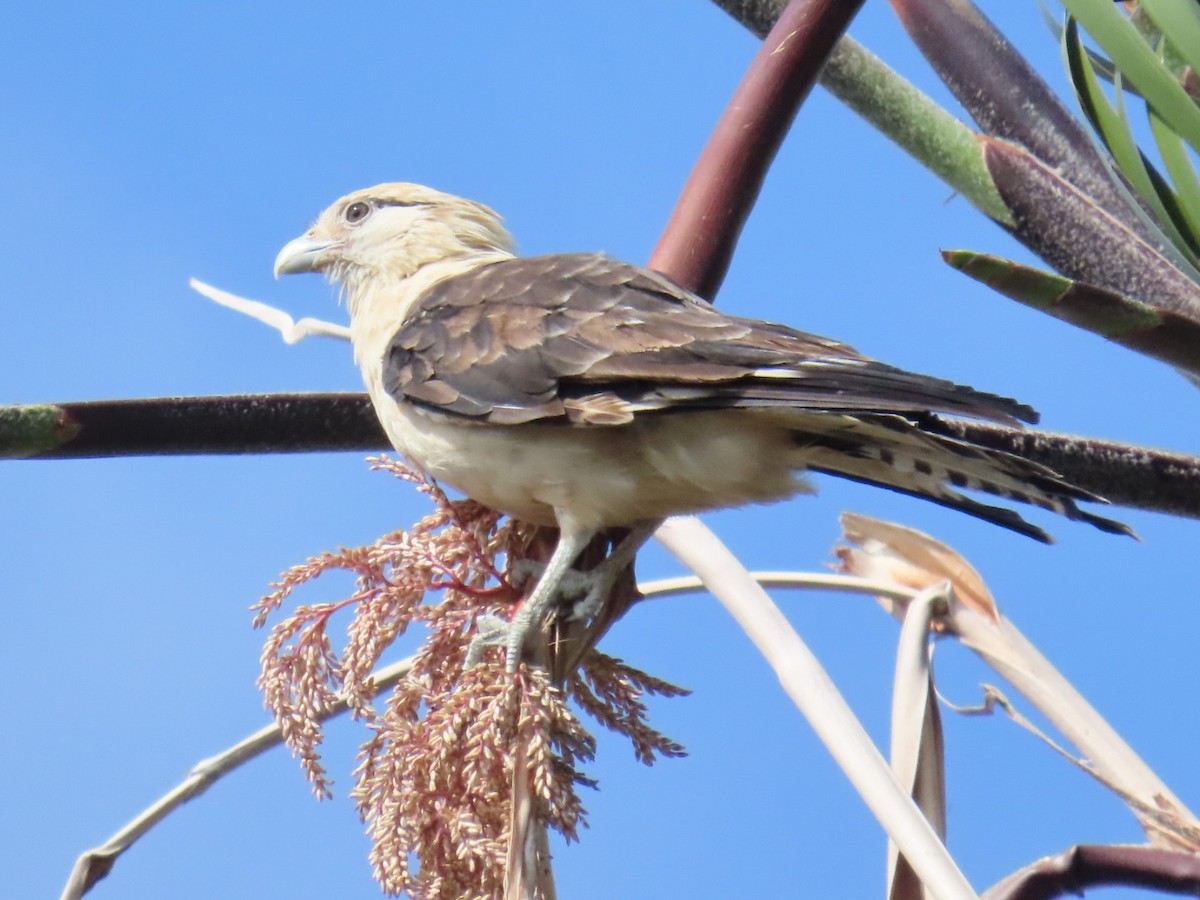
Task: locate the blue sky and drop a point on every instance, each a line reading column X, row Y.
column 147, row 143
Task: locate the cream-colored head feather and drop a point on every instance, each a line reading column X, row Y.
column 393, row 230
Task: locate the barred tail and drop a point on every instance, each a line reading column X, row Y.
column 894, row 453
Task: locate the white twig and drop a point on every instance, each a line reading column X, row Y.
column 94, row 864
column 848, row 584
column 291, row 330
column 818, row 699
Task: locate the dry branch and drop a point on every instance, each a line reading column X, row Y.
column 1126, row 474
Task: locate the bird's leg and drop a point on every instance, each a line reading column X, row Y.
column 558, row 581
column 594, row 586
column 571, row 541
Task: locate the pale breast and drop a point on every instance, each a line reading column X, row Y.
column 603, row 475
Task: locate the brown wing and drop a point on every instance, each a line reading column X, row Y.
column 585, row 339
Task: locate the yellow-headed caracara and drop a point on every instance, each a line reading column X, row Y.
column 578, row 391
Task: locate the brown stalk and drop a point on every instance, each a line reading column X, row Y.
column 1126, row 474
column 1071, row 872
column 698, row 242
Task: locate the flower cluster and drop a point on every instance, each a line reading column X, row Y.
column 453, row 753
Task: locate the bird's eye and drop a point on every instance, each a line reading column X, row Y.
column 356, row 212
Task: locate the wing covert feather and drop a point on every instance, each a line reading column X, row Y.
column 552, row 337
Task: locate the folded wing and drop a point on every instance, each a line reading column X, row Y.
column 592, row 341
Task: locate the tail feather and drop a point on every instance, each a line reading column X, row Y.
column 997, row 515
column 895, row 453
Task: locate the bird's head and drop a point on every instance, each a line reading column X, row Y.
column 392, row 230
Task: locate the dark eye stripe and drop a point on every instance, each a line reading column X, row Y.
column 399, row 203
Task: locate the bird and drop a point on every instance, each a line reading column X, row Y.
column 577, row 391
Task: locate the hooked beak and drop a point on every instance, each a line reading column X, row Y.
column 304, row 254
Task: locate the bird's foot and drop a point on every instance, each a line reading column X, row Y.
column 584, row 591
column 556, row 583
column 579, row 595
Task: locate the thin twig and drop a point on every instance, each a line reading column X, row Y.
column 94, row 864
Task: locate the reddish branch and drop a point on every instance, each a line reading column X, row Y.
column 698, row 243
column 1071, row 872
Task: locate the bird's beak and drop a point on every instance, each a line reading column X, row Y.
column 304, row 254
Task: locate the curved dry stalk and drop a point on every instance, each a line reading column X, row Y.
column 911, row 559
column 849, row 584
column 94, row 864
column 917, row 749
column 811, row 689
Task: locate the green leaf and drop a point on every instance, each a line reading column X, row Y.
column 1101, row 63
column 1162, row 335
column 1183, row 176
column 1112, row 125
column 1179, row 21
column 1140, row 64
